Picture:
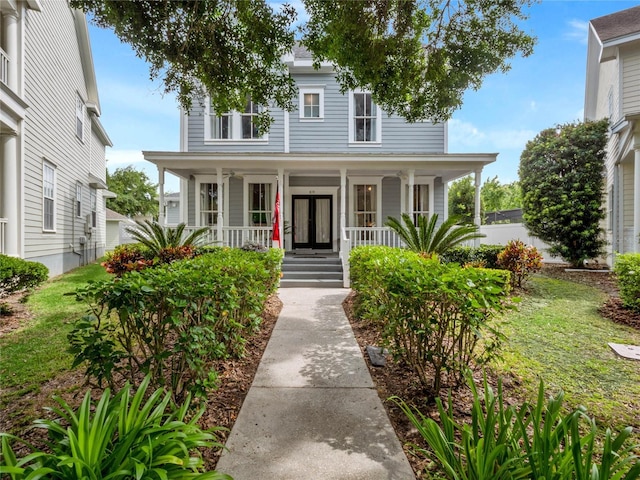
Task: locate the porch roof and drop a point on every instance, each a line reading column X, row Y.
column 448, row 166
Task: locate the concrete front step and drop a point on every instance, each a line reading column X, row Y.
column 311, row 272
column 311, row 267
column 310, row 283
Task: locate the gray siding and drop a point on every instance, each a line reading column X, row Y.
column 236, row 215
column 391, row 194
column 331, row 135
column 191, row 201
column 438, row 199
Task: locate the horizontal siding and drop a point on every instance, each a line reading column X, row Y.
column 438, row 199
column 236, row 214
column 331, row 135
column 53, row 77
column 631, row 82
column 391, row 192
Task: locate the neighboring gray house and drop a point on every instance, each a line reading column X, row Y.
column 340, row 163
column 613, row 91
column 52, row 161
column 172, row 212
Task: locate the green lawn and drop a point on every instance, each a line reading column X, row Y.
column 558, row 336
column 37, row 352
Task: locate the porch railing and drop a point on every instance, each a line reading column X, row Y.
column 3, row 228
column 4, row 67
column 236, row 236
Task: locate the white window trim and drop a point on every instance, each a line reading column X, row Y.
column 200, row 179
column 78, row 199
column 248, row 179
column 47, row 164
column 352, row 182
column 80, row 116
column 93, row 206
column 236, row 128
column 317, row 89
column 352, row 142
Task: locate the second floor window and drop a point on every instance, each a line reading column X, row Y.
column 311, row 103
column 78, row 199
column 365, row 122
column 233, row 126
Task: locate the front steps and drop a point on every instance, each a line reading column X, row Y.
column 314, row 270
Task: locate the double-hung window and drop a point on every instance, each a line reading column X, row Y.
column 209, row 204
column 365, row 121
column 93, row 197
column 420, row 202
column 260, row 204
column 80, row 111
column 48, row 197
column 365, row 207
column 234, row 126
column 311, row 103
column 78, row 199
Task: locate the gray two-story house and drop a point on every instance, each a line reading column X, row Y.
column 341, row 166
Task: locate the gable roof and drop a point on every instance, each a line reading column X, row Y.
column 616, row 25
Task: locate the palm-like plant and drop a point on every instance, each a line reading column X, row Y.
column 426, row 239
column 157, row 238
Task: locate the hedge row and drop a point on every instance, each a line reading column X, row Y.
column 627, row 270
column 431, row 315
column 174, row 320
column 17, row 274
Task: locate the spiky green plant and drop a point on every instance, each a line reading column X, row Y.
column 426, row 239
column 119, row 437
column 157, row 237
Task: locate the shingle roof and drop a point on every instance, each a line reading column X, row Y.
column 617, row 24
column 301, row 52
column 111, row 215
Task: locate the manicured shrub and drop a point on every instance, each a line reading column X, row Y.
column 538, row 440
column 627, row 270
column 485, row 255
column 17, row 274
column 118, row 437
column 175, row 320
column 521, row 260
column 430, row 315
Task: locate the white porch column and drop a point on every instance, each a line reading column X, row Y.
column 220, row 219
column 161, row 219
column 636, row 198
column 343, row 200
column 476, row 216
column 280, row 212
column 10, row 195
column 412, row 181
column 10, row 27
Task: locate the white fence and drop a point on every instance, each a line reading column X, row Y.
column 3, row 225
column 501, row 234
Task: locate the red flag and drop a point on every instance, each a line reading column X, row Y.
column 275, row 237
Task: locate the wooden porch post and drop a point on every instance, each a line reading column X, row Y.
column 280, row 212
column 220, row 219
column 412, row 181
column 161, row 219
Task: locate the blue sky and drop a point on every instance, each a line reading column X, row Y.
column 540, row 91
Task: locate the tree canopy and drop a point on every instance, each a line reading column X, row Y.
column 417, row 57
column 494, row 196
column 136, row 194
column 561, row 175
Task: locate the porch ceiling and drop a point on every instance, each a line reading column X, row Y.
column 447, row 166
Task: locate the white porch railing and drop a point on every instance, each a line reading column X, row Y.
column 236, row 236
column 4, row 67
column 3, row 227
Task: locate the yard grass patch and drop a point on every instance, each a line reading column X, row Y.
column 37, row 352
column 557, row 335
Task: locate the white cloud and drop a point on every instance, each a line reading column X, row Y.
column 123, row 158
column 533, row 105
column 577, row 30
column 147, row 100
column 465, row 136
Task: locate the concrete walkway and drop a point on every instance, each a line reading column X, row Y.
column 312, row 411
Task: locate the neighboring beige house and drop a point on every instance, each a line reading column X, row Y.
column 613, row 91
column 52, row 144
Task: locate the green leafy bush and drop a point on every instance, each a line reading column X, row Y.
column 530, row 441
column 521, row 260
column 627, row 270
column 119, row 437
column 17, row 274
column 485, row 255
column 174, row 321
column 431, row 315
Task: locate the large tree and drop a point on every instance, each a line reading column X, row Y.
column 137, row 196
column 416, row 56
column 561, row 175
column 462, row 199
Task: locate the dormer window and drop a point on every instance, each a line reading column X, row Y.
column 232, row 127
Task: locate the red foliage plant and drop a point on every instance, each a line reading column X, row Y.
column 521, row 260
